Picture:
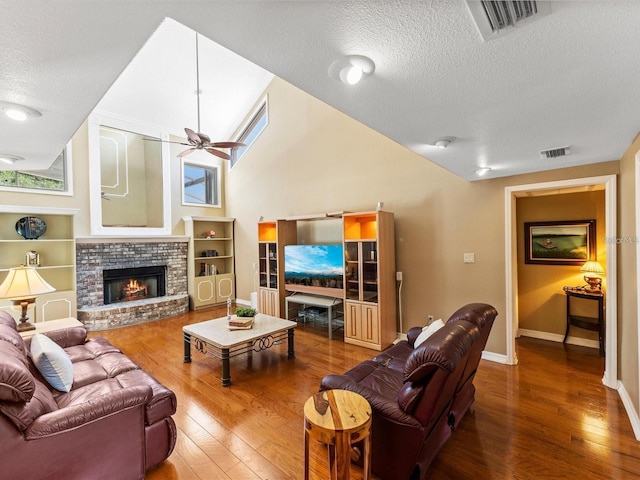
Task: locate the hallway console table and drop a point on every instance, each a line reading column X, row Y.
column 593, row 323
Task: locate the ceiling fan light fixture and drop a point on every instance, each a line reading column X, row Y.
column 18, row 112
column 9, row 159
column 351, row 69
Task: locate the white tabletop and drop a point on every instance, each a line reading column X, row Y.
column 216, row 332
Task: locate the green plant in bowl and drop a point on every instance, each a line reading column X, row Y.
column 246, row 312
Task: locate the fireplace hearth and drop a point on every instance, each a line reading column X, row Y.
column 130, row 284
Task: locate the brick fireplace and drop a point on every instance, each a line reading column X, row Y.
column 157, row 290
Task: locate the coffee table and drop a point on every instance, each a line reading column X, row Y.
column 215, row 338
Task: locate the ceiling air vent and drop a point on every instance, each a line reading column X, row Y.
column 555, row 152
column 495, row 17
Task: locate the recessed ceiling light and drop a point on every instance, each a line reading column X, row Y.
column 10, row 159
column 18, row 112
column 483, row 171
column 351, row 69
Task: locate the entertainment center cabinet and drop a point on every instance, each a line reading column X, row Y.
column 368, row 290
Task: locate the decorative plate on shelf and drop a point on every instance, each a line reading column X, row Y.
column 31, row 227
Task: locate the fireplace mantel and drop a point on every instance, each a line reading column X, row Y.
column 171, row 238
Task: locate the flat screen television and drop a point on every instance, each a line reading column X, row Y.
column 315, row 269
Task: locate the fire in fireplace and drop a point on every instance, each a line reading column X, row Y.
column 129, row 284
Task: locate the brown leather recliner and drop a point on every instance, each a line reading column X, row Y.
column 419, row 395
column 115, row 422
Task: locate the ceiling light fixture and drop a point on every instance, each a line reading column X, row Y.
column 10, row 159
column 18, row 112
column 442, row 142
column 351, row 69
column 483, row 171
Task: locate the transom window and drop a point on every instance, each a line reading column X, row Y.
column 252, row 130
column 200, row 185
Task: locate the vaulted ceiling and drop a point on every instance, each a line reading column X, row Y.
column 569, row 78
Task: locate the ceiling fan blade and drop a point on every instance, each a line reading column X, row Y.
column 218, row 153
column 186, row 152
column 193, row 137
column 227, row 144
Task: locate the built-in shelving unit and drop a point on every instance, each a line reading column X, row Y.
column 211, row 265
column 56, row 251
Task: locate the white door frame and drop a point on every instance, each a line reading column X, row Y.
column 610, row 377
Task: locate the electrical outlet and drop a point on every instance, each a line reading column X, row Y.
column 399, row 276
column 429, row 319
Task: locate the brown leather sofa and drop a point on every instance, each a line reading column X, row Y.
column 115, row 422
column 418, row 396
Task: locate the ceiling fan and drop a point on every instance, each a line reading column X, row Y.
column 200, row 141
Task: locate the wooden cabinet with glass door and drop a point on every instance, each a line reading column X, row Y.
column 272, row 237
column 210, row 267
column 370, row 286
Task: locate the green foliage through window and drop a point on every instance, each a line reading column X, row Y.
column 53, row 178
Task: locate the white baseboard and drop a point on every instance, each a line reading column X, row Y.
column 494, row 357
column 242, row 301
column 555, row 337
column 631, row 411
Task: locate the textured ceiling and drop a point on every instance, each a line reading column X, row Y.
column 569, row 78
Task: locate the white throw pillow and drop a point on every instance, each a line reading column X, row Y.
column 52, row 362
column 428, row 331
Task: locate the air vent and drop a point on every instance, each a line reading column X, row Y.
column 555, row 152
column 495, row 17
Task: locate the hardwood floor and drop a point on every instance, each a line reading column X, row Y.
column 548, row 417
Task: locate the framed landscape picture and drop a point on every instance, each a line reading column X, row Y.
column 569, row 242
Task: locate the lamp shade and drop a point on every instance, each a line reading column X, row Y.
column 592, row 267
column 24, row 282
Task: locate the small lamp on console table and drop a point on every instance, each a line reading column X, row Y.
column 23, row 285
column 592, row 271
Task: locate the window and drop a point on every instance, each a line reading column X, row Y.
column 251, row 131
column 200, row 185
column 55, row 179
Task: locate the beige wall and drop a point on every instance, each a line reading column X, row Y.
column 312, row 158
column 627, row 280
column 541, row 300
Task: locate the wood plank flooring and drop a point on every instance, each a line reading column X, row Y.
column 548, row 417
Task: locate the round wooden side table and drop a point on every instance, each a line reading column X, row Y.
column 338, row 418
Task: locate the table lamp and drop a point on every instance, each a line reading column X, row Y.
column 22, row 286
column 592, row 271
